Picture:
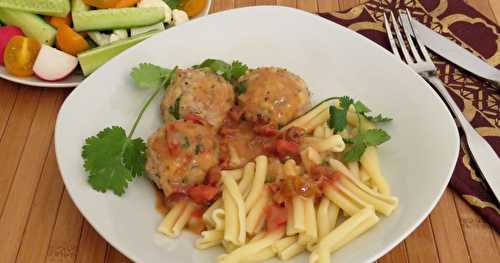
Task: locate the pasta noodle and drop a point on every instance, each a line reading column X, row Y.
column 326, row 217
column 234, row 158
column 302, row 120
column 207, row 215
column 369, row 160
column 209, row 238
column 219, row 218
column 345, row 231
column 298, row 213
column 283, row 243
column 354, row 169
column 258, row 181
column 235, row 211
column 334, row 143
column 290, row 225
column 262, row 255
column 311, row 229
column 317, row 120
column 246, row 182
column 257, row 212
column 236, row 174
column 344, row 203
column 249, row 249
column 176, row 218
column 291, row 251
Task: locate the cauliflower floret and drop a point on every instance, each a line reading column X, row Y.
column 102, row 39
column 157, row 3
column 179, row 17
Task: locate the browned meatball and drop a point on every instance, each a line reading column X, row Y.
column 180, row 154
column 201, row 92
column 273, row 95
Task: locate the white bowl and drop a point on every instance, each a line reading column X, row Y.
column 417, row 161
column 73, row 80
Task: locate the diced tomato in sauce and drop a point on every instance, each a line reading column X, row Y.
column 276, row 216
column 194, row 118
column 202, row 194
column 286, row 148
column 213, row 176
column 266, row 130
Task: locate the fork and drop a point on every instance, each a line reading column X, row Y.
column 483, row 154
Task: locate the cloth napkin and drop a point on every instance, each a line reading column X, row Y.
column 478, row 100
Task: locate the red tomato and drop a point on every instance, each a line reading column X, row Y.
column 266, row 130
column 201, row 194
column 276, row 216
column 194, row 118
column 286, row 148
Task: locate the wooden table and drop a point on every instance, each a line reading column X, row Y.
column 39, row 222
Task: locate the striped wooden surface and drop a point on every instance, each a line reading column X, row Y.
column 39, row 222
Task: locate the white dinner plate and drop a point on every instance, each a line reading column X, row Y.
column 417, row 161
column 71, row 81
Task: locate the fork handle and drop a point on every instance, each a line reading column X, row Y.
column 485, row 157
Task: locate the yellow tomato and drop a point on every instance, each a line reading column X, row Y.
column 58, row 21
column 20, row 55
column 193, row 7
column 70, row 41
column 101, row 3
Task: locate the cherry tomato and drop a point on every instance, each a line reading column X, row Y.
column 126, row 3
column 286, row 148
column 193, row 7
column 20, row 55
column 59, row 21
column 70, row 41
column 101, row 3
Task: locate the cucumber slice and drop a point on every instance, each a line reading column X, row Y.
column 92, row 59
column 43, row 7
column 31, row 25
column 79, row 6
column 117, row 18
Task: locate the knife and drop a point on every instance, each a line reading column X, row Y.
column 455, row 53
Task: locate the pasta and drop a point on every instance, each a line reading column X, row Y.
column 306, row 201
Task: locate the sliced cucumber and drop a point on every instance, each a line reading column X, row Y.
column 117, row 18
column 92, row 59
column 31, row 25
column 143, row 29
column 79, row 6
column 43, row 7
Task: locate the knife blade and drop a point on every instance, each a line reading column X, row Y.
column 455, row 53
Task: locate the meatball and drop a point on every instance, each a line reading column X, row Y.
column 273, row 95
column 200, row 92
column 180, row 153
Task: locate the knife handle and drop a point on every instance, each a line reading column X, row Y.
column 483, row 154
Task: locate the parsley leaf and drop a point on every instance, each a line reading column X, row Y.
column 378, row 119
column 355, row 153
column 338, row 119
column 231, row 72
column 345, row 102
column 374, row 137
column 173, row 4
column 112, row 159
column 174, row 111
column 148, row 76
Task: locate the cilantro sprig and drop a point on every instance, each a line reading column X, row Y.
column 364, row 138
column 111, row 157
column 231, row 72
column 173, row 4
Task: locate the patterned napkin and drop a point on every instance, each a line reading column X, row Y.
column 479, row 102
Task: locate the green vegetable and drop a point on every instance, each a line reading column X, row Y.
column 240, row 88
column 59, row 8
column 198, row 148
column 92, row 59
column 377, row 119
column 231, row 72
column 117, row 18
column 173, row 4
column 371, row 137
column 78, row 6
column 338, row 116
column 32, row 25
column 174, row 111
column 186, row 143
column 112, row 158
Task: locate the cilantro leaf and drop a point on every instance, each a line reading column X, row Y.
column 355, row 153
column 231, row 72
column 345, row 102
column 238, row 69
column 112, row 159
column 338, row 119
column 174, row 111
column 360, row 107
column 378, row 119
column 240, row 88
column 374, row 137
column 348, row 140
column 173, row 4
column 149, row 76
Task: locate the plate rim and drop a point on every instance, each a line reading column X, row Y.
column 375, row 256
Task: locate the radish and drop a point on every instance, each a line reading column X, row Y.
column 6, row 33
column 52, row 64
